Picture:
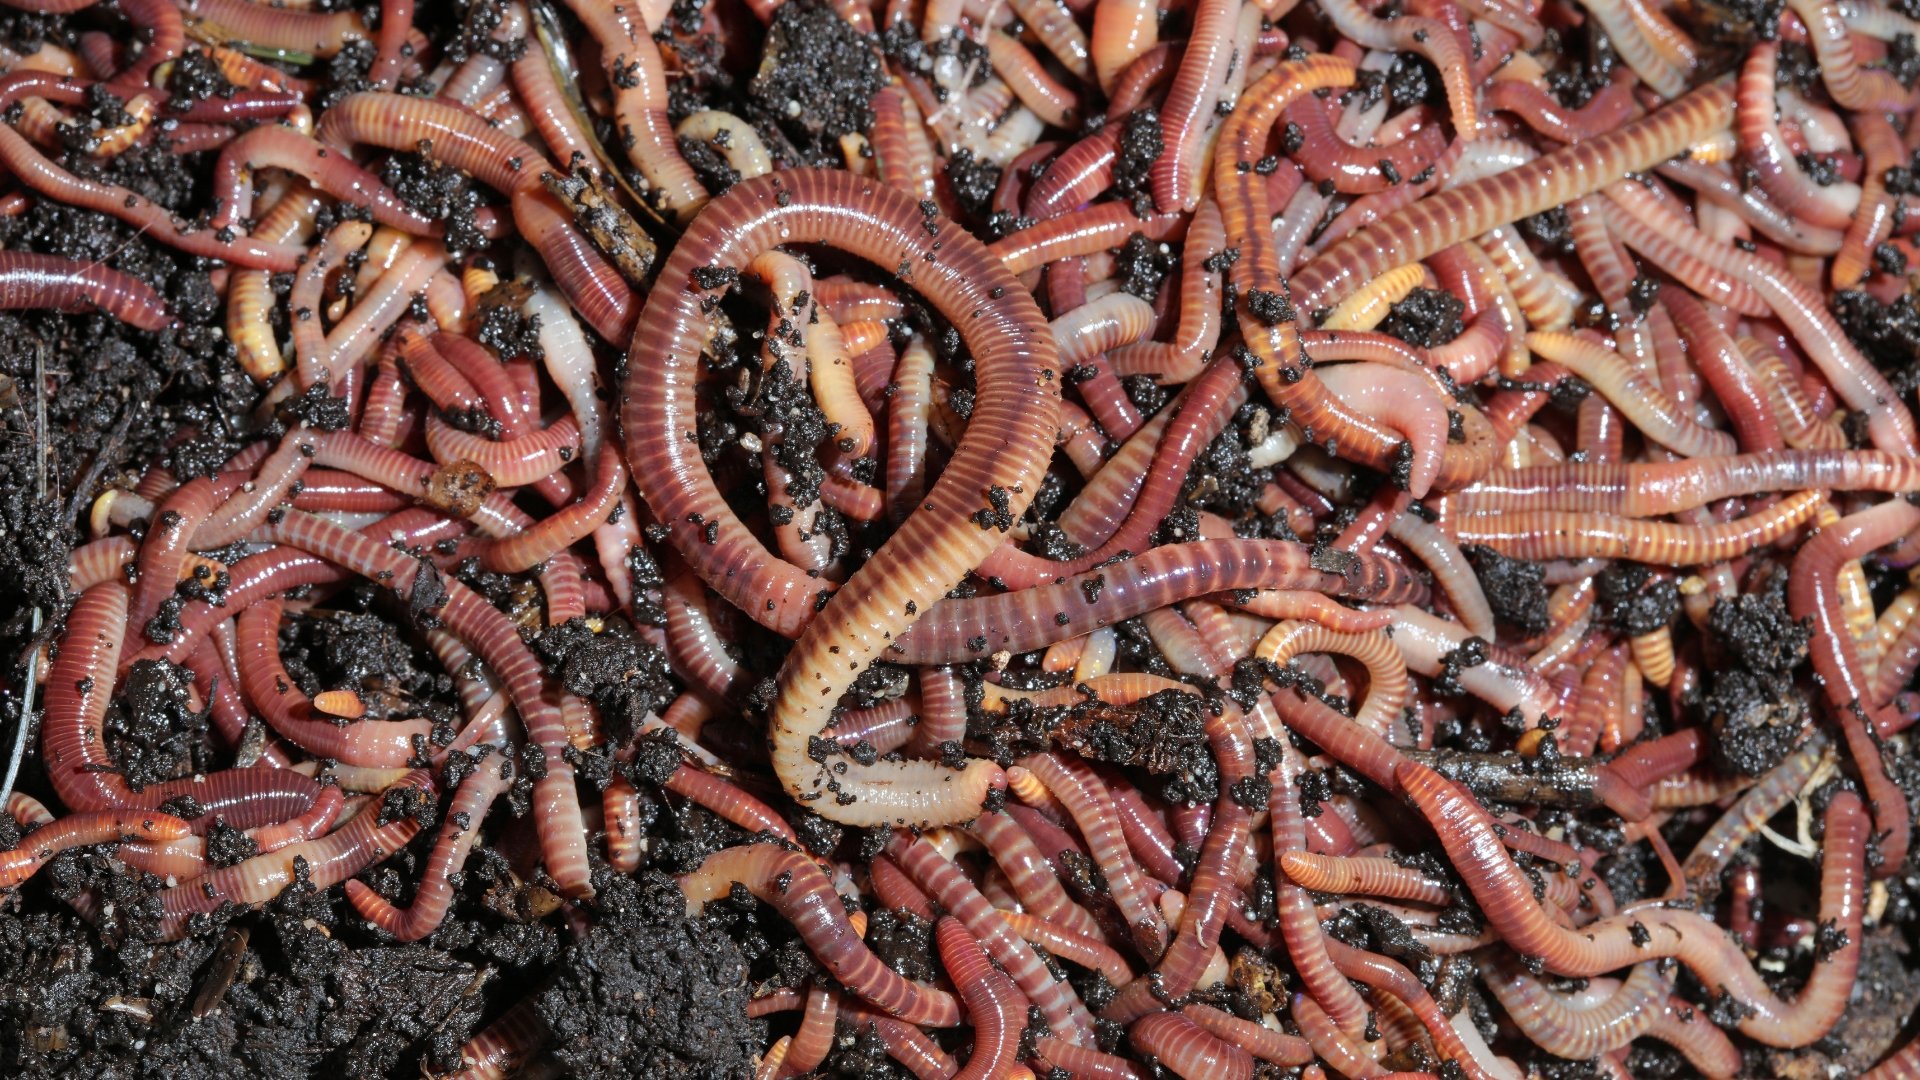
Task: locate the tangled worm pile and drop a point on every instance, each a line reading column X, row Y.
column 1286, row 653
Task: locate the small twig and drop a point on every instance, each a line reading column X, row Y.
column 108, row 450
column 610, row 229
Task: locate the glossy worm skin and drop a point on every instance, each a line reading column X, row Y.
column 1797, row 305
column 1813, row 594
column 1158, row 655
column 1467, row 834
column 1015, row 413
column 329, row 860
column 1444, row 219
column 791, row 882
column 1085, row 797
column 996, row 1009
column 471, row 801
column 266, row 684
column 1565, row 534
column 1640, row 1005
column 948, row 885
column 48, row 281
column 562, row 833
column 78, row 830
column 79, row 686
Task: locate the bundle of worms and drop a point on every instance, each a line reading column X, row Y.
column 1288, row 538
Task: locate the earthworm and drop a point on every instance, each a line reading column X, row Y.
column 1085, row 951
column 1082, row 1063
column 905, row 1043
column 275, row 147
column 248, row 294
column 1145, row 829
column 1603, row 112
column 1209, row 891
column 101, row 560
column 48, row 281
column 1647, row 489
column 306, row 299
column 1187, row 1049
column 1428, row 37
column 907, row 414
column 812, row 1042
column 733, row 137
column 793, row 884
column 697, row 650
column 1075, row 176
column 943, row 543
column 1773, row 168
column 900, row 143
column 961, row 630
column 505, row 1045
column 1299, row 927
column 357, row 335
column 1258, row 1039
column 1123, row 30
column 513, row 462
column 381, row 744
column 1503, row 681
column 396, row 19
column 1203, row 411
column 1720, row 362
column 945, row 883
column 80, row 830
column 1365, row 309
column 1850, row 84
column 1801, row 309
column 1878, row 209
column 562, row 835
column 1633, row 392
column 1386, row 976
column 361, row 842
column 1275, row 340
column 1056, row 104
column 79, row 686
column 186, row 857
column 320, row 34
column 1142, row 77
column 34, row 170
column 1554, row 534
column 1717, row 185
column 728, row 802
column 1898, row 659
column 505, row 164
column 1357, row 170
column 1467, row 833
column 1370, row 876
column 1085, row 797
column 1178, row 360
column 1447, row 217
column 640, row 102
column 995, row 1007
column 166, row 39
column 1812, row 594
column 1386, row 668
column 1188, row 110
column 1085, row 231
column 1054, row 24
column 1675, row 246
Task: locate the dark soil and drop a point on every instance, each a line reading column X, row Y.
column 1516, row 589
column 303, row 987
